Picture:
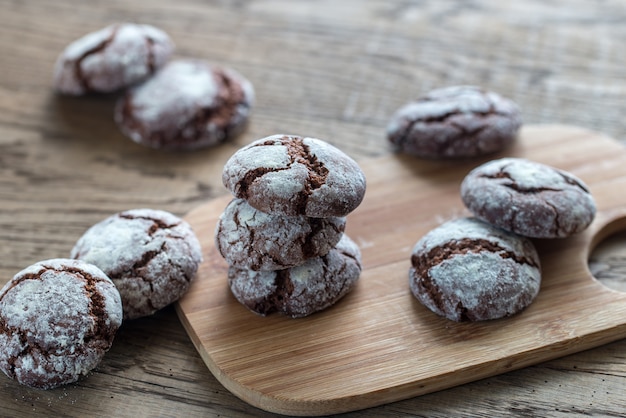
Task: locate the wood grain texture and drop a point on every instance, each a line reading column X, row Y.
column 378, row 345
column 331, row 69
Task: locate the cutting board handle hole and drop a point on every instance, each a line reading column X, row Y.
column 608, row 252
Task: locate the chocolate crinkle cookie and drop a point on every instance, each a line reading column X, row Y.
column 112, row 58
column 188, row 104
column 528, row 198
column 302, row 290
column 151, row 255
column 283, row 235
column 249, row 238
column 58, row 318
column 469, row 270
column 295, row 176
column 455, row 122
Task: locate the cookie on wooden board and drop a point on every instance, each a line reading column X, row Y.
column 295, row 176
column 528, row 198
column 469, row 270
column 302, row 290
column 250, row 239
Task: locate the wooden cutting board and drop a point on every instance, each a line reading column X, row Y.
column 378, row 344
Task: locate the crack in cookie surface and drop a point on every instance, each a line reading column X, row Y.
column 573, row 182
column 220, row 119
column 78, row 70
column 97, row 303
column 300, row 153
column 514, row 184
column 150, row 58
column 231, row 100
column 157, row 223
column 242, row 186
column 423, row 262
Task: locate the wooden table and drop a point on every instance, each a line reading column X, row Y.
column 330, row 69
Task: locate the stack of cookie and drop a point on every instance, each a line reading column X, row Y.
column 283, row 234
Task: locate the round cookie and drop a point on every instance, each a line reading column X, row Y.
column 455, row 122
column 111, row 59
column 528, row 198
column 302, row 290
column 251, row 239
column 468, row 270
column 150, row 255
column 295, row 176
column 188, row 104
column 58, row 318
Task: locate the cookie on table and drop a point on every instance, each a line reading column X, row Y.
column 295, row 176
column 250, row 239
column 528, row 198
column 58, row 318
column 455, row 122
column 188, row 104
column 302, row 290
column 112, row 58
column 151, row 255
column 468, row 270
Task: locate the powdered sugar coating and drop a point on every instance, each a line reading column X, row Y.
column 151, row 255
column 466, row 269
column 111, row 58
column 188, row 104
column 251, row 239
column 295, row 176
column 528, row 198
column 302, row 290
column 57, row 320
column 455, row 122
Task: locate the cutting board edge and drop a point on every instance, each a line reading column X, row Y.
column 415, row 388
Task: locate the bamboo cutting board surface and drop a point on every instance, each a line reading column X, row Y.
column 378, row 344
